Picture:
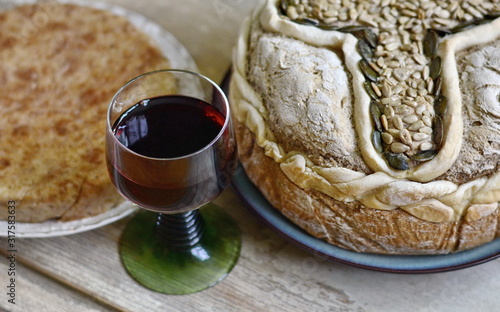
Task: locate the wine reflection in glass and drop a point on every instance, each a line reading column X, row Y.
column 170, row 150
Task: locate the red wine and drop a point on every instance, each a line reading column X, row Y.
column 169, row 126
column 164, row 129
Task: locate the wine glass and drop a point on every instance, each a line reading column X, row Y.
column 170, row 150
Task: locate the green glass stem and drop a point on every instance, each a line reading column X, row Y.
column 181, row 231
column 205, row 250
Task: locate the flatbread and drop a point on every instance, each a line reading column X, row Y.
column 60, row 65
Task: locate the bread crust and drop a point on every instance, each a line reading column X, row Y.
column 351, row 226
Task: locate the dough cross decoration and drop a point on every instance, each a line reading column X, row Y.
column 402, row 62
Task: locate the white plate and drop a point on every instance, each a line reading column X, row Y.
column 53, row 228
column 178, row 57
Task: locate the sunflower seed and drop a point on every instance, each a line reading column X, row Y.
column 427, row 121
column 422, row 91
column 416, row 125
column 425, row 146
column 291, row 12
column 411, row 93
column 374, row 66
column 389, row 111
column 418, row 136
column 387, row 138
column 420, row 59
column 403, row 110
column 411, row 103
column 405, row 136
column 410, row 119
column 376, row 89
column 425, row 72
column 420, row 109
column 386, row 90
column 430, row 85
column 392, row 46
column 398, row 147
column 397, row 122
column 385, row 123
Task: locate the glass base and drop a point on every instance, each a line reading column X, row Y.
column 180, row 272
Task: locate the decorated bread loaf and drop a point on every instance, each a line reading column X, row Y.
column 374, row 125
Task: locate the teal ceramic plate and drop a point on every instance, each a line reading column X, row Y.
column 254, row 199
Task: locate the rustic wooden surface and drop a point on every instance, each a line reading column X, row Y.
column 82, row 272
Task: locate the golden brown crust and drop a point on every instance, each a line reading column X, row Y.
column 351, row 226
column 61, row 64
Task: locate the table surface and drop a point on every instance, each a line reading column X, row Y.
column 82, row 272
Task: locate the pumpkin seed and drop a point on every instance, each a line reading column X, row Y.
column 492, row 16
column 397, row 161
column 375, row 115
column 424, row 155
column 352, row 28
column 437, row 86
column 371, row 37
column 441, row 105
column 307, row 21
column 430, row 43
column 368, row 71
column 284, row 6
column 435, row 67
column 438, row 130
column 365, row 49
column 369, row 89
column 441, row 32
column 463, row 27
column 377, row 141
column 328, row 27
